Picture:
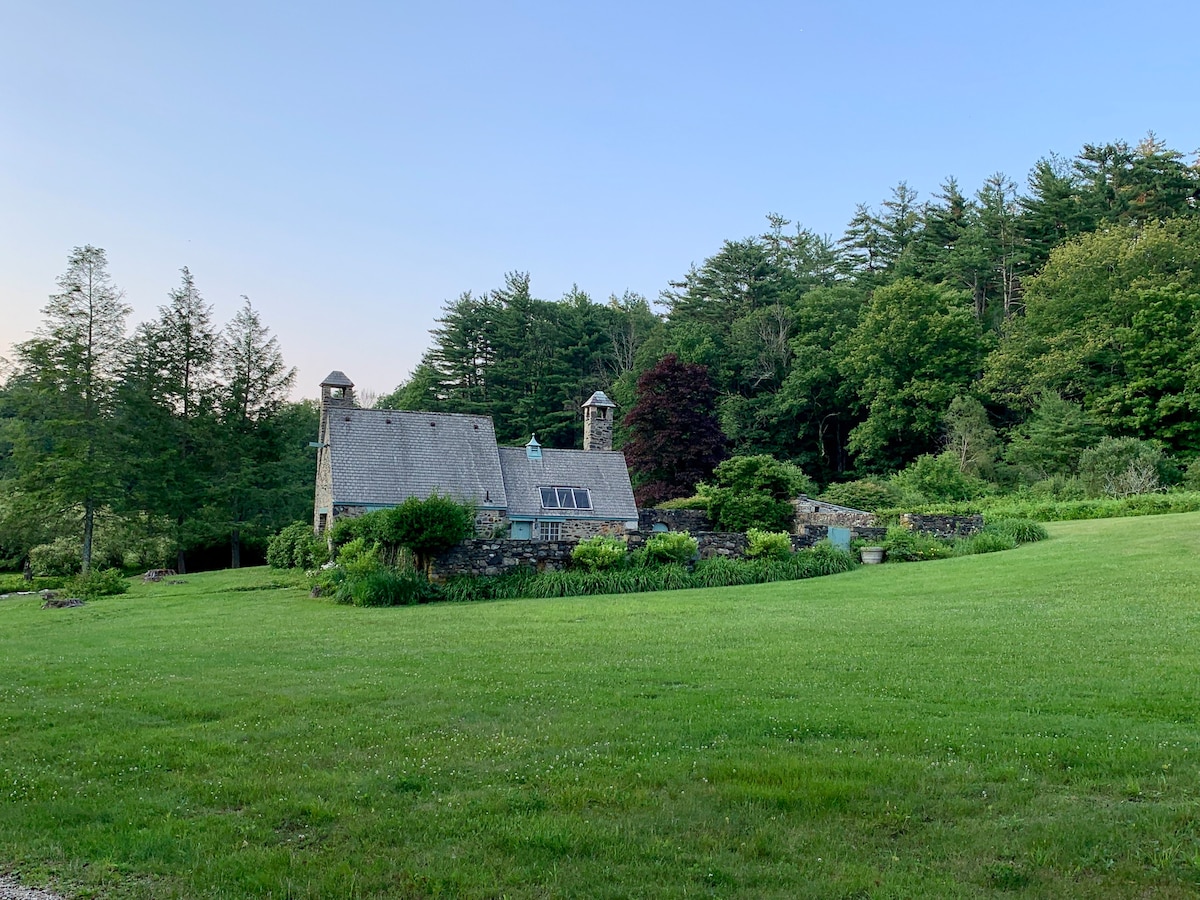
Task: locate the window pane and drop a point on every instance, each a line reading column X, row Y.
column 582, row 499
column 548, row 499
column 566, row 498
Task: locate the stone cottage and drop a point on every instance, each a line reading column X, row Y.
column 369, row 459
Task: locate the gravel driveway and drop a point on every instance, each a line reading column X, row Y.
column 11, row 889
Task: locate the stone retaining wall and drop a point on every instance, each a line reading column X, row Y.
column 495, row 557
column 945, row 527
column 689, row 520
column 498, row 556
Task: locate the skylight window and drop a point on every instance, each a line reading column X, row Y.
column 566, row 498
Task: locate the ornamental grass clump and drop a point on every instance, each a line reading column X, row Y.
column 984, row 542
column 1022, row 531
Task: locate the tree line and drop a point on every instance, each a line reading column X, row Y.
column 1073, row 301
column 174, row 440
column 1014, row 329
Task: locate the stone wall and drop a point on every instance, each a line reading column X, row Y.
column 487, row 521
column 944, row 527
column 689, row 520
column 495, row 557
column 582, row 529
column 817, row 512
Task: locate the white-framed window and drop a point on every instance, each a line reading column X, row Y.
column 549, row 531
column 566, row 498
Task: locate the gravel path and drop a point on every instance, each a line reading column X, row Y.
column 11, row 889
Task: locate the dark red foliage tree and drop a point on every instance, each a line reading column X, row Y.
column 675, row 439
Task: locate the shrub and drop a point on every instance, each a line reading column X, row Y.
column 296, row 547
column 865, row 494
column 670, row 547
column 768, row 544
column 599, row 553
column 903, row 545
column 97, row 583
column 935, row 478
column 427, row 527
column 755, row 492
column 1121, row 467
column 11, row 584
column 359, row 558
column 386, row 587
column 60, row 557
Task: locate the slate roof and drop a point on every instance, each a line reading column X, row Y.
column 337, row 378
column 604, row 473
column 600, row 399
column 382, row 457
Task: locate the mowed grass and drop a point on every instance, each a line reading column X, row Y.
column 1021, row 723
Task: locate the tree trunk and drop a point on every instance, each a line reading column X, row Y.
column 180, row 565
column 235, row 545
column 89, row 527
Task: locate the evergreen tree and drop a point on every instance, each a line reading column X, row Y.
column 250, row 485
column 65, row 392
column 167, row 416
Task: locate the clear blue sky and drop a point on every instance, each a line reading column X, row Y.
column 352, row 166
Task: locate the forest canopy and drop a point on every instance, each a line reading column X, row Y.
column 1027, row 336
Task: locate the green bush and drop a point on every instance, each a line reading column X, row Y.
column 932, row 478
column 768, row 544
column 359, row 558
column 426, row 527
column 755, row 492
column 903, row 545
column 60, row 557
column 11, row 584
column 599, row 553
column 1123, row 467
column 97, row 583
column 386, row 587
column 677, row 547
column 865, row 494
column 296, row 547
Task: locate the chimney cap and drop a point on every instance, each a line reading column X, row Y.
column 599, row 399
column 337, row 378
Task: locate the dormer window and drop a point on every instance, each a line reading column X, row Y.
column 566, row 498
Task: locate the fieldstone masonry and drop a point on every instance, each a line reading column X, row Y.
column 945, row 527
column 495, row 557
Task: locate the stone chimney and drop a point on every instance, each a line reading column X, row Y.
column 337, row 391
column 598, row 422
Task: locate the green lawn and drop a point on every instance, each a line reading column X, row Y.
column 1021, row 723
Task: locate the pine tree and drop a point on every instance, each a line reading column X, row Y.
column 67, row 384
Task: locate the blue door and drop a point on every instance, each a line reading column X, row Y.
column 839, row 537
column 522, row 531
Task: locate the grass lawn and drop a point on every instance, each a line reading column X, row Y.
column 1021, row 723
